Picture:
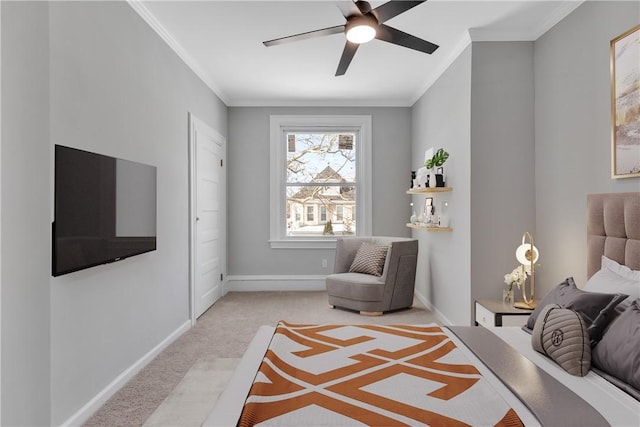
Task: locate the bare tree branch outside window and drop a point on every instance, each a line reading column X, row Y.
column 321, row 176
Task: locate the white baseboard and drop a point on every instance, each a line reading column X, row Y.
column 441, row 317
column 275, row 283
column 94, row 404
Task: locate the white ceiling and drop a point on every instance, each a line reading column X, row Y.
column 222, row 42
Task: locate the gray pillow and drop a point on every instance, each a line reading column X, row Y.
column 369, row 259
column 589, row 304
column 618, row 352
column 562, row 335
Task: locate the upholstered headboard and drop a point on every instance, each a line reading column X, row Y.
column 613, row 229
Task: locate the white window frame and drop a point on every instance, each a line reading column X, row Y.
column 280, row 126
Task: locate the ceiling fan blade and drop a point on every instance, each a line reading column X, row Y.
column 391, row 35
column 363, row 6
column 348, row 8
column 347, row 55
column 304, row 36
column 388, row 10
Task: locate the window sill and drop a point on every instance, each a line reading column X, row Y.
column 303, row 244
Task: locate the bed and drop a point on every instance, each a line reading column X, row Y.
column 309, row 375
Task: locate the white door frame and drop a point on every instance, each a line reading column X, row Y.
column 0, row 218
column 194, row 125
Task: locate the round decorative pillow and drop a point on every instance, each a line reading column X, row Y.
column 562, row 334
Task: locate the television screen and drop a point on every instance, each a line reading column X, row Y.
column 105, row 209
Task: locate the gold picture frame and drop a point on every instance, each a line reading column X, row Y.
column 625, row 104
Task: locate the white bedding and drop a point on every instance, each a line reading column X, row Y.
column 616, row 406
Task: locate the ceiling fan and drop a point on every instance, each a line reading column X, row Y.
column 364, row 24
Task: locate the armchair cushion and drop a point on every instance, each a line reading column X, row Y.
column 369, row 259
column 355, row 286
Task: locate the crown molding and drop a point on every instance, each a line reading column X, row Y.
column 164, row 34
column 559, row 14
column 472, row 35
column 485, row 34
column 526, row 34
column 457, row 50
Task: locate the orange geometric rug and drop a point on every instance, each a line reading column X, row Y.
column 371, row 375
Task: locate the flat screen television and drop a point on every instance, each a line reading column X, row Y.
column 105, row 210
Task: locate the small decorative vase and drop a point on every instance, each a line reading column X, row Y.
column 432, row 179
column 507, row 295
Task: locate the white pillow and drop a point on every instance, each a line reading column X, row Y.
column 614, row 278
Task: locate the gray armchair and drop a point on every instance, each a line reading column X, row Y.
column 368, row 294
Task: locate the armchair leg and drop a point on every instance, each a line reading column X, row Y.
column 332, row 306
column 371, row 313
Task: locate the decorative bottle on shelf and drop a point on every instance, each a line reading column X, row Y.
column 432, row 179
column 443, row 218
column 413, row 218
column 440, row 177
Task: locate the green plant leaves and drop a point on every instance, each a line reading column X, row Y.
column 437, row 160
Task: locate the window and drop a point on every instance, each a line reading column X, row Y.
column 323, row 213
column 322, row 165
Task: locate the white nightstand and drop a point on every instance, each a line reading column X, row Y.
column 491, row 313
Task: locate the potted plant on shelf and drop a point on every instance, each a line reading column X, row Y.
column 436, row 163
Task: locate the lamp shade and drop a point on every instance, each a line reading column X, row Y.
column 526, row 253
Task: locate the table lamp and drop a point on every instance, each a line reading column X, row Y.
column 527, row 254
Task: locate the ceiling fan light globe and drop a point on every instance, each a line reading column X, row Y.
column 361, row 33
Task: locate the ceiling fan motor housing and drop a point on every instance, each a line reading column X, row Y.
column 366, row 22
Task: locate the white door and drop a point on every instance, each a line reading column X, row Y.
column 207, row 216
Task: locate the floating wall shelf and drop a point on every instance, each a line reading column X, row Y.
column 423, row 228
column 429, row 190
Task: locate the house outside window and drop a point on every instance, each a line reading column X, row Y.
column 321, row 164
column 323, row 213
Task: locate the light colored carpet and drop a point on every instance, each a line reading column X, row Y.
column 195, row 395
column 224, row 332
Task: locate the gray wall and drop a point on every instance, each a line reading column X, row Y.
column 502, row 161
column 572, row 126
column 539, row 143
column 26, row 205
column 442, row 118
column 481, row 111
column 248, row 188
column 119, row 92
